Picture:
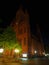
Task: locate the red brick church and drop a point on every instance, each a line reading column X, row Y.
column 30, row 45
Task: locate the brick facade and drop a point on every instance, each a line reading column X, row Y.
column 22, row 28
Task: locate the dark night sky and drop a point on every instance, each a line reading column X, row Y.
column 37, row 11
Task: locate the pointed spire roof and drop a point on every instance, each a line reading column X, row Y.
column 21, row 7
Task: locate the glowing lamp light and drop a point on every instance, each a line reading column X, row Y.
column 47, row 54
column 24, row 55
column 35, row 51
column 16, row 50
column 1, row 50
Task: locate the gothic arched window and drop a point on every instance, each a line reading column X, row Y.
column 21, row 18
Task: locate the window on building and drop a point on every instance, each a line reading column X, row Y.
column 24, row 41
column 20, row 41
column 21, row 18
column 24, row 29
column 28, row 41
column 20, row 31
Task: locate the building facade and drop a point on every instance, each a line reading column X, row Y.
column 30, row 45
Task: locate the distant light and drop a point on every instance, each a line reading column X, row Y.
column 47, row 54
column 35, row 51
column 24, row 59
column 1, row 50
column 16, row 50
column 24, row 55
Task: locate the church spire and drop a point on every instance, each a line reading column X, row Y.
column 39, row 33
column 20, row 7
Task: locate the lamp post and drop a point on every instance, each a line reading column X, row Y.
column 35, row 51
column 1, row 51
column 17, row 51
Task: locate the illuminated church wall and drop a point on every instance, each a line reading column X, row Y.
column 22, row 28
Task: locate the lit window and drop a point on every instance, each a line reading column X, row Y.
column 24, row 55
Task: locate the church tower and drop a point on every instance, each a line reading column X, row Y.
column 30, row 45
column 41, row 46
column 22, row 29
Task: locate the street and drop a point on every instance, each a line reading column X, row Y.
column 35, row 61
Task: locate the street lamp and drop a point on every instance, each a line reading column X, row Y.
column 16, row 51
column 1, row 50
